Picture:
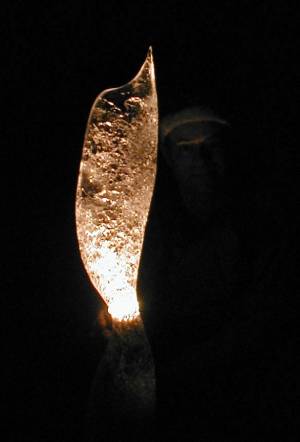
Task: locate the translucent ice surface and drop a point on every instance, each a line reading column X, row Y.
column 115, row 187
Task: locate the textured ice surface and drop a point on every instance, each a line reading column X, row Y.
column 115, row 186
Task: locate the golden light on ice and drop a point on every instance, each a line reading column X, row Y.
column 115, row 185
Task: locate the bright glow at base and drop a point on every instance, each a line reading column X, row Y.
column 111, row 269
column 115, row 186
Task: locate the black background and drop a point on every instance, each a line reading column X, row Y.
column 238, row 58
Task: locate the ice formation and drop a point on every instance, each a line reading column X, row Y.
column 115, row 186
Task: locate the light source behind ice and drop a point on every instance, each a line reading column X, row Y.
column 115, row 186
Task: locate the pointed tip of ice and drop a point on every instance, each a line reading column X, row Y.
column 146, row 73
column 149, row 56
column 147, row 68
column 150, row 61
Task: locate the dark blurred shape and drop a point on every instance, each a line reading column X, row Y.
column 215, row 290
column 121, row 403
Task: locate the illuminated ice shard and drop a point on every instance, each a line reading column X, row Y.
column 115, row 186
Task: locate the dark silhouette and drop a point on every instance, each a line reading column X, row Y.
column 215, row 291
column 121, row 399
